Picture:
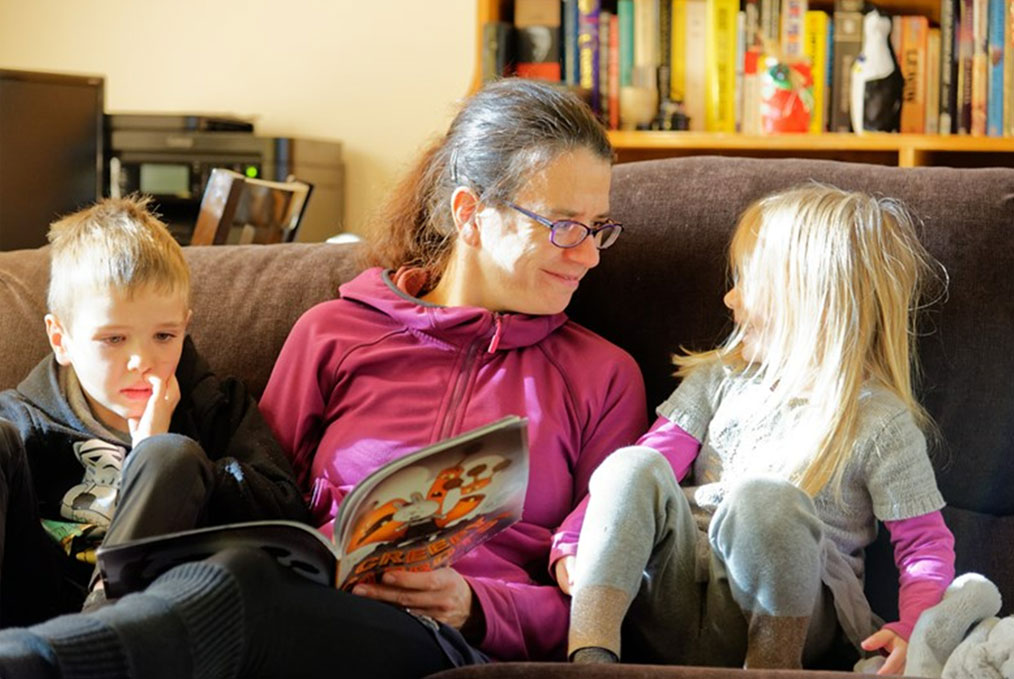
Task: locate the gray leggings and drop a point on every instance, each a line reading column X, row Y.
column 676, row 595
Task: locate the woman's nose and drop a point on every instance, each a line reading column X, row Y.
column 585, row 253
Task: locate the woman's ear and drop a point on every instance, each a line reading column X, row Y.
column 57, row 339
column 465, row 208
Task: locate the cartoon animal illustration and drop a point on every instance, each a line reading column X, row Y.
column 452, row 495
column 94, row 499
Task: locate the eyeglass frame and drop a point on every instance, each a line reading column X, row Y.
column 588, row 230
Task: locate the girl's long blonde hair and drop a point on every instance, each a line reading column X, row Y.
column 833, row 280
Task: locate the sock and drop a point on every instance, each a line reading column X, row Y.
column 776, row 642
column 593, row 655
column 596, row 615
column 26, row 656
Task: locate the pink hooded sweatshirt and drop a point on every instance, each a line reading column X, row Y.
column 367, row 378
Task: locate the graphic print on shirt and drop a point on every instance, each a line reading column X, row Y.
column 94, row 499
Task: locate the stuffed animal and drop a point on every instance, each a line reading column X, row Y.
column 961, row 637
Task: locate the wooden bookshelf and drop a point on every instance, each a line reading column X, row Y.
column 904, row 150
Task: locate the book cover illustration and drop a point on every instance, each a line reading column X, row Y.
column 435, row 507
column 419, row 512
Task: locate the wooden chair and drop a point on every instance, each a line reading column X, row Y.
column 238, row 209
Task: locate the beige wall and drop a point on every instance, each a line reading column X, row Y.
column 381, row 76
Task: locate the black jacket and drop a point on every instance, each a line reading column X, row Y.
column 253, row 478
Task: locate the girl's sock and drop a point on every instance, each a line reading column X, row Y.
column 594, row 655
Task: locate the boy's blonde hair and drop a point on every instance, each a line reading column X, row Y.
column 836, row 278
column 117, row 243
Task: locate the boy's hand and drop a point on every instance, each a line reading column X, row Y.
column 564, row 568
column 897, row 648
column 158, row 411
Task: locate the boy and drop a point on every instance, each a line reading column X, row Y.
column 123, row 432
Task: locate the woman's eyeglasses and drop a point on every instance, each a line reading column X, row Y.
column 567, row 233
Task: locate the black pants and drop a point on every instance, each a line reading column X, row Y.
column 237, row 614
column 37, row 580
column 165, row 486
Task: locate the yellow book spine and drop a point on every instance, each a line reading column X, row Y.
column 678, row 51
column 720, row 76
column 815, row 51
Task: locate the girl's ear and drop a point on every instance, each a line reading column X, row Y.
column 57, row 339
column 465, row 208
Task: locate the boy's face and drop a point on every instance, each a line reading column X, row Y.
column 116, row 342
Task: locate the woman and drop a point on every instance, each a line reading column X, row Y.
column 484, row 244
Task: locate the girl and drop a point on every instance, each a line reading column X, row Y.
column 802, row 431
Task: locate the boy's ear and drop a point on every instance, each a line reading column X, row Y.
column 57, row 339
column 186, row 323
column 465, row 207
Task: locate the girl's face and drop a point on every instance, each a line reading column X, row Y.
column 521, row 270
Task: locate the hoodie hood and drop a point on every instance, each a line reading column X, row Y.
column 453, row 325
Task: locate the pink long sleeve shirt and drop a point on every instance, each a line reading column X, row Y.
column 367, row 378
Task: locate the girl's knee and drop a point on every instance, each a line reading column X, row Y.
column 634, row 468
column 768, row 513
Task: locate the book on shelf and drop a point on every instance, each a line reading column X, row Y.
column 570, row 56
column 912, row 60
column 980, row 66
column 793, row 17
column 815, row 50
column 497, row 50
column 419, row 512
column 537, row 23
column 588, row 48
column 720, row 60
column 949, row 13
column 613, row 72
column 678, row 50
column 932, row 114
column 995, row 65
column 848, row 41
column 1008, row 79
column 625, row 22
column 695, row 86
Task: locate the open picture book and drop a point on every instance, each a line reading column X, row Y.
column 419, row 512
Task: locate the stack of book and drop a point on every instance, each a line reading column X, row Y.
column 697, row 64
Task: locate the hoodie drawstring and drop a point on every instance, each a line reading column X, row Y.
column 495, row 342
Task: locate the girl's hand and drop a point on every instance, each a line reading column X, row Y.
column 564, row 568
column 441, row 594
column 158, row 411
column 896, row 647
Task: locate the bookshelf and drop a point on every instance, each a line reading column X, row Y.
column 903, row 150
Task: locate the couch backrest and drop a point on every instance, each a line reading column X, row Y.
column 245, row 300
column 661, row 288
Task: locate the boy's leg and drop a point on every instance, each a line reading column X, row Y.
column 638, row 551
column 165, row 485
column 33, row 581
column 766, row 543
column 236, row 614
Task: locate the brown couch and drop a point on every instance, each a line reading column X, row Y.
column 660, row 288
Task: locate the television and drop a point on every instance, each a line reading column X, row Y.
column 51, row 151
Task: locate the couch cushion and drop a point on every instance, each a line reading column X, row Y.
column 245, row 300
column 537, row 670
column 660, row 287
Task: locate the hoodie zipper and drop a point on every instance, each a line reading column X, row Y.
column 468, row 366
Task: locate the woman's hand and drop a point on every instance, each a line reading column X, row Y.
column 564, row 569
column 165, row 396
column 441, row 594
column 896, row 647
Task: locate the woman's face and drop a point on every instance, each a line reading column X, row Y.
column 520, row 269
